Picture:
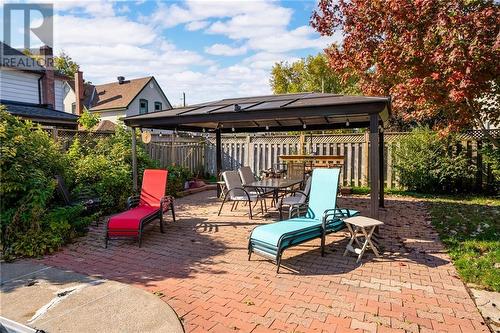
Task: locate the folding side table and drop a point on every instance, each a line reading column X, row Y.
column 361, row 226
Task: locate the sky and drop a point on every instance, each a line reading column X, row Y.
column 207, row 49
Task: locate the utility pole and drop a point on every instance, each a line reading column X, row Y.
column 184, row 99
column 322, row 85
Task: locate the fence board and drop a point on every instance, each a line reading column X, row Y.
column 262, row 152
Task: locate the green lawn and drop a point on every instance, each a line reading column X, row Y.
column 470, row 229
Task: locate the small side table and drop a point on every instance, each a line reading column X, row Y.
column 361, row 226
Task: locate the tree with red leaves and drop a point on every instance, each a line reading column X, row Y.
column 438, row 59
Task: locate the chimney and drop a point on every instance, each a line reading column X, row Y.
column 48, row 95
column 121, row 79
column 79, row 92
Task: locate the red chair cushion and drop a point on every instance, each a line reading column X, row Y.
column 154, row 185
column 128, row 222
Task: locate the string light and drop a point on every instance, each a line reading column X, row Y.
column 304, row 126
column 347, row 122
column 267, row 128
column 203, row 129
column 232, row 129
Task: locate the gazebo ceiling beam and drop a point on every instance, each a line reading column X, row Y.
column 260, row 128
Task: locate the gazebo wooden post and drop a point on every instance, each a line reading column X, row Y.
column 218, row 156
column 381, row 165
column 374, row 165
column 134, row 160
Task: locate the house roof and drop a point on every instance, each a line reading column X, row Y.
column 272, row 112
column 40, row 113
column 14, row 59
column 117, row 96
column 106, row 126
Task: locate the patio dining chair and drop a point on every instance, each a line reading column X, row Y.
column 322, row 217
column 145, row 208
column 247, row 177
column 235, row 192
column 295, row 200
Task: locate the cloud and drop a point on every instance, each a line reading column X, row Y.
column 261, row 25
column 70, row 29
column 123, row 9
column 225, row 50
column 104, row 52
column 300, row 38
column 197, row 25
column 107, row 44
column 266, row 60
column 216, row 83
column 171, row 15
column 96, row 8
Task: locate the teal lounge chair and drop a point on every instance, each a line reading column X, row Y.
column 322, row 218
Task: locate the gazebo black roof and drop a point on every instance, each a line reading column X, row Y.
column 273, row 112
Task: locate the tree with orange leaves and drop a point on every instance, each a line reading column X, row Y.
column 438, row 59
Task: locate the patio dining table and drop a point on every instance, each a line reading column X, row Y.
column 274, row 185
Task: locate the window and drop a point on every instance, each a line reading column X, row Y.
column 73, row 108
column 157, row 106
column 143, row 106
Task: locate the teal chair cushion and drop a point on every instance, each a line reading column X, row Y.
column 271, row 233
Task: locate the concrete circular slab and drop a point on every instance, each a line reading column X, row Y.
column 55, row 300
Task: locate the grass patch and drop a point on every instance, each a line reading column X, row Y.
column 363, row 190
column 470, row 229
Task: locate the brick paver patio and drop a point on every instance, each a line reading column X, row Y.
column 200, row 267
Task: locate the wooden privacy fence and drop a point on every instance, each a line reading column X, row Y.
column 262, row 152
column 186, row 152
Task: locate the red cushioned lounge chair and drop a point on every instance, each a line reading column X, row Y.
column 143, row 209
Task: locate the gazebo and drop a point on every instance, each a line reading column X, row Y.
column 280, row 113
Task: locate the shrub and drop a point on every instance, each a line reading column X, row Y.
column 89, row 120
column 491, row 156
column 431, row 164
column 105, row 167
column 177, row 177
column 30, row 222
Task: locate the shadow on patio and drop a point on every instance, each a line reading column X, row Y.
column 200, row 267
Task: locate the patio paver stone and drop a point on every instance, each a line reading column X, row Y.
column 200, row 265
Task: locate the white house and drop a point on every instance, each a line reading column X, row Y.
column 36, row 93
column 116, row 100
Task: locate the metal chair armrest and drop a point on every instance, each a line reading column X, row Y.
column 238, row 188
column 133, row 201
column 328, row 213
column 296, row 207
column 301, row 192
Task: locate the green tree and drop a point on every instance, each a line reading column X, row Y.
column 89, row 120
column 309, row 74
column 64, row 64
